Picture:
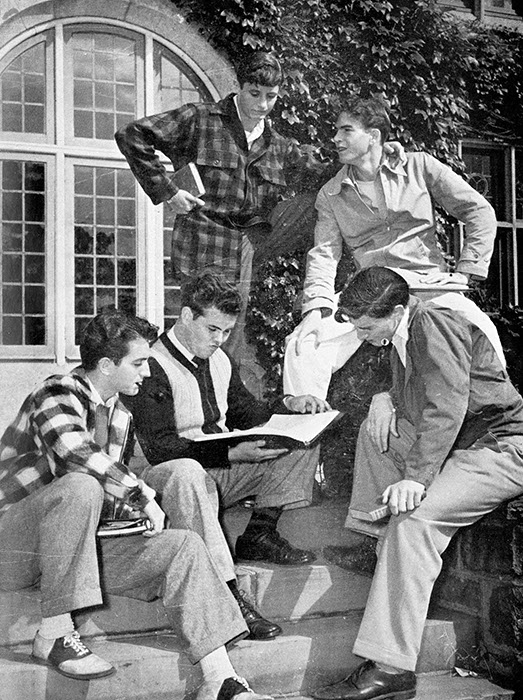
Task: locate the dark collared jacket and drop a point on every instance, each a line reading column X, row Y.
column 453, row 390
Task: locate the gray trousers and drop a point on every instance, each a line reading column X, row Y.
column 471, row 484
column 191, row 495
column 49, row 537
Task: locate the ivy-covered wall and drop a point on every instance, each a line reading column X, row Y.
column 446, row 79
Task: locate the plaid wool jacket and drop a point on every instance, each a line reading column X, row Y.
column 52, row 435
column 239, row 183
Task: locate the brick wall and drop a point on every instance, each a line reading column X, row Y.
column 481, row 587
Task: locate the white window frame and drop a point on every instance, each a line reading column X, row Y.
column 61, row 153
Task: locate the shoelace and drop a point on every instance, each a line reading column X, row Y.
column 73, row 640
column 243, row 682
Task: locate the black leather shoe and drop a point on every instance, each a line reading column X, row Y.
column 268, row 545
column 361, row 558
column 231, row 687
column 259, row 628
column 368, row 682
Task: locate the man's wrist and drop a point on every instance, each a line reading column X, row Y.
column 324, row 310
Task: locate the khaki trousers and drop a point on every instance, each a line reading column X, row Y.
column 191, row 495
column 49, row 537
column 471, row 484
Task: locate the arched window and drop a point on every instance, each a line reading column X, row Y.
column 78, row 234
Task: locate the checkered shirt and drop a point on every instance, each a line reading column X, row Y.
column 52, row 435
column 239, row 182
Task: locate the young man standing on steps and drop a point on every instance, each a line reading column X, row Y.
column 443, row 447
column 194, row 388
column 60, row 460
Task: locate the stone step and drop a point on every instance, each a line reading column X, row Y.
column 280, row 593
column 447, row 687
column 309, row 654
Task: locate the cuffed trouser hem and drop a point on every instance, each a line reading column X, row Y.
column 199, row 650
column 69, row 603
column 287, row 504
column 370, row 651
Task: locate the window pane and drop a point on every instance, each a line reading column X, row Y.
column 22, row 90
column 105, row 255
column 104, row 70
column 485, row 172
column 178, row 84
column 22, row 249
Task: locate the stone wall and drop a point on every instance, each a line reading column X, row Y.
column 481, row 587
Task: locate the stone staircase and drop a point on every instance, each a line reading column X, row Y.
column 318, row 606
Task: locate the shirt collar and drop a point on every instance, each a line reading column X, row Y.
column 251, row 136
column 401, row 336
column 179, row 346
column 345, row 176
column 97, row 399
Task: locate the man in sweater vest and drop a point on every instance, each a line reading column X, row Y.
column 195, row 389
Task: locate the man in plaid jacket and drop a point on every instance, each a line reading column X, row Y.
column 245, row 166
column 60, row 459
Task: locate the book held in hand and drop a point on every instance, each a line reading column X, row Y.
column 188, row 178
column 370, row 512
column 302, row 428
column 120, row 528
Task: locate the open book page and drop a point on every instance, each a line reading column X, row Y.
column 302, row 427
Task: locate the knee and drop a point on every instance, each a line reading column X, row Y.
column 81, row 491
column 177, row 474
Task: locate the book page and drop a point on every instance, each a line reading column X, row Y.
column 303, row 427
column 298, row 426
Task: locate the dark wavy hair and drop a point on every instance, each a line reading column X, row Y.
column 373, row 292
column 209, row 289
column 109, row 335
column 373, row 113
column 261, row 68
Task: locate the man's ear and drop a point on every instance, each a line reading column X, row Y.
column 105, row 365
column 376, row 136
column 399, row 311
column 186, row 314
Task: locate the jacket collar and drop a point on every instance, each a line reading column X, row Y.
column 345, row 176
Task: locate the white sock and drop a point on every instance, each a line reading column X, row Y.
column 217, row 665
column 56, row 626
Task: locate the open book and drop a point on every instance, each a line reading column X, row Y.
column 188, row 178
column 303, row 428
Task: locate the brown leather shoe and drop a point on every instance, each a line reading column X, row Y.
column 268, row 545
column 368, row 682
column 361, row 558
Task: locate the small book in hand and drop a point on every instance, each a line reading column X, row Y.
column 188, row 178
column 369, row 512
column 121, row 528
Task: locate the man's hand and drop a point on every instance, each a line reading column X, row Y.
column 309, row 325
column 254, row 451
column 307, row 403
column 442, row 278
column 394, row 149
column 156, row 516
column 381, row 421
column 403, row 496
column 183, row 202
